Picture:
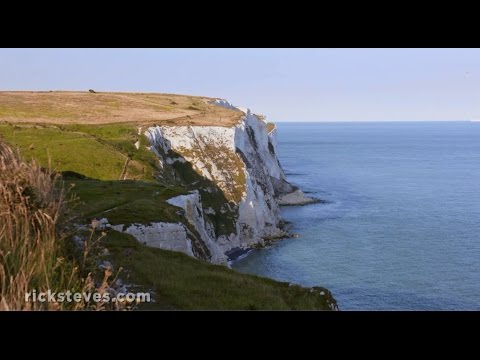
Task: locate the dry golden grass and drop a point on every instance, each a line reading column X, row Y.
column 33, row 252
column 64, row 107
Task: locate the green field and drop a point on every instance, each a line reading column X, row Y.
column 104, row 152
column 183, row 283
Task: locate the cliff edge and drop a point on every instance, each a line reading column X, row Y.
column 217, row 181
column 237, row 179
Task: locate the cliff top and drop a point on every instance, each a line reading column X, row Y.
column 72, row 107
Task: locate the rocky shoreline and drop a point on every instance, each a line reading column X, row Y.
column 300, row 199
column 297, row 198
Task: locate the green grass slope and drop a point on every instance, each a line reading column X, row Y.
column 180, row 282
column 125, row 202
column 105, row 152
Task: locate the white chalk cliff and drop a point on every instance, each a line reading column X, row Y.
column 236, row 182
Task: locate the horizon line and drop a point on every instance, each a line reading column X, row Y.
column 358, row 121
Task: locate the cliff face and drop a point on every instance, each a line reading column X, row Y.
column 224, row 156
column 235, row 178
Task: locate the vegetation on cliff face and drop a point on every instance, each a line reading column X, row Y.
column 221, row 212
column 225, row 161
column 271, row 127
column 125, row 202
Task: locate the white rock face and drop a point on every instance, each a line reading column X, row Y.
column 225, row 104
column 193, row 208
column 241, row 161
column 169, row 236
column 258, row 210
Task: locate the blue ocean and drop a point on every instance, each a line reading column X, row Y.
column 401, row 229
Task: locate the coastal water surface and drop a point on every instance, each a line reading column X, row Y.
column 402, row 227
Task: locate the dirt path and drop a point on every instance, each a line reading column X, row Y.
column 123, row 174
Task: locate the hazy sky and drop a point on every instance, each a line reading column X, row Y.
column 284, row 84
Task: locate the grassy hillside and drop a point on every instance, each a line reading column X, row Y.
column 105, row 152
column 35, row 256
column 180, row 282
column 91, row 138
column 69, row 107
column 125, row 202
column 176, row 280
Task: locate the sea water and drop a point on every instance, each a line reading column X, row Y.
column 401, row 229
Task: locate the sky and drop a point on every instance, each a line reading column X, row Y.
column 283, row 84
